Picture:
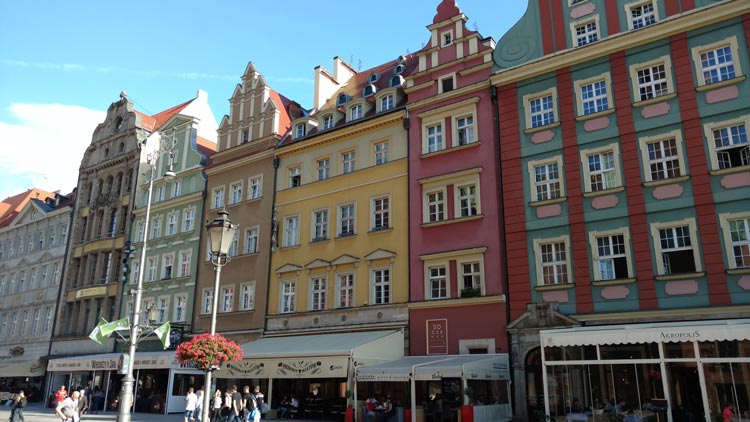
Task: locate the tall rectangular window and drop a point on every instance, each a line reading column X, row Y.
column 347, row 223
column 151, row 269
column 256, row 187
column 465, row 130
column 235, row 192
column 381, row 209
column 291, row 231
column 347, row 162
column 47, row 319
column 162, row 306
column 438, row 282
column 327, row 122
column 251, row 240
column 171, row 224
column 355, row 112
column 602, row 171
column 346, row 290
column 552, row 262
column 663, row 159
column 167, row 262
column 186, row 258
column 386, row 103
column 156, row 228
column 613, row 263
column 381, row 279
column 381, row 153
column 318, row 293
column 323, row 169
column 234, row 247
column 467, row 200
column 180, row 305
column 35, row 322
column 435, row 138
column 176, row 187
column 435, row 206
column 207, row 301
column 217, row 197
column 547, row 181
column 320, row 222
column 227, row 299
column 288, row 292
column 295, row 177
column 247, row 296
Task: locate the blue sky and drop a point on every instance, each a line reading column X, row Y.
column 63, row 63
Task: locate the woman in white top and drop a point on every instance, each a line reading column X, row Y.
column 216, row 406
column 192, row 402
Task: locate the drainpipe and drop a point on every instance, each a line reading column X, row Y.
column 270, row 240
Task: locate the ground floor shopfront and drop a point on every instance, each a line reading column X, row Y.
column 442, row 387
column 160, row 387
column 683, row 371
column 317, row 369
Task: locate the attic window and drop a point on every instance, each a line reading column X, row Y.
column 328, row 122
column 399, row 69
column 447, row 38
column 397, row 80
column 374, row 78
column 369, row 91
column 447, row 84
column 245, row 136
column 118, row 124
column 401, row 59
column 300, row 130
column 33, row 214
column 341, row 100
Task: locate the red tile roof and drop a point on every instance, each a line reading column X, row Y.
column 12, row 205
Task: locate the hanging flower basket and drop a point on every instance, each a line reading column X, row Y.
column 208, row 352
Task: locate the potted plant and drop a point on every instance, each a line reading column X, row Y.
column 208, row 352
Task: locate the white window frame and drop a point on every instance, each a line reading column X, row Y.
column 356, row 112
column 186, row 260
column 176, row 188
column 349, row 222
column 378, row 214
column 162, row 306
column 528, row 101
column 560, row 181
column 380, row 285
column 646, row 141
column 299, row 131
column 348, row 161
column 323, row 168
column 152, row 264
column 255, row 187
column 458, row 199
column 172, row 223
column 435, row 141
column 597, row 258
column 287, row 296
column 585, row 38
column 156, row 228
column 247, row 296
column 188, row 219
column 650, row 65
column 474, row 259
column 327, row 121
column 446, row 38
column 730, row 243
column 291, row 230
column 466, row 130
column 167, row 266
column 656, row 239
column 320, row 229
column 538, row 243
column 217, row 197
column 348, row 292
column 207, row 301
column 251, row 233
column 616, row 171
column 429, row 279
column 227, row 299
column 629, row 7
column 381, row 152
column 579, row 85
column 696, row 52
column 234, row 247
column 180, row 310
column 709, row 129
column 295, row 176
column 235, row 192
column 427, row 205
column 441, row 81
column 387, row 102
column 318, row 289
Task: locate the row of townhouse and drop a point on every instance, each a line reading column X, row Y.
column 575, row 196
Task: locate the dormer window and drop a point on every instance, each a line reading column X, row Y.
column 369, row 91
column 447, row 84
column 397, row 80
column 118, row 124
column 342, row 100
column 374, row 78
column 355, row 112
column 245, row 136
column 299, row 131
column 399, row 69
column 447, row 38
column 328, row 122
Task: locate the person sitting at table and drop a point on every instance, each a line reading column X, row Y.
column 575, row 407
column 387, row 408
column 370, row 405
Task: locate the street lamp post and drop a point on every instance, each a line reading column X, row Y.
column 126, row 392
column 220, row 235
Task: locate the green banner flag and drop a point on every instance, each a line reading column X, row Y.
column 120, row 324
column 162, row 332
column 97, row 335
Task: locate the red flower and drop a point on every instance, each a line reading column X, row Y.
column 205, row 351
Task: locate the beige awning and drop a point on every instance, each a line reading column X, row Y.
column 111, row 362
column 426, row 368
column 313, row 356
column 674, row 332
column 17, row 368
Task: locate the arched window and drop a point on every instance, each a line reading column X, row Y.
column 118, row 184
column 369, row 91
column 342, row 100
column 397, row 80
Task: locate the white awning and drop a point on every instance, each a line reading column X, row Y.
column 21, row 368
column 313, row 356
column 111, row 362
column 674, row 332
column 425, row 368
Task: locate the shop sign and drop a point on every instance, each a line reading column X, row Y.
column 286, row 368
column 680, row 336
column 437, row 336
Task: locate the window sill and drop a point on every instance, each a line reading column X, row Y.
column 548, row 202
column 321, row 240
column 680, row 276
column 250, row 200
column 451, row 149
column 452, row 221
column 722, row 84
column 378, row 230
column 595, row 115
column 565, row 286
column 730, row 170
column 346, row 236
column 616, row 282
column 738, row 271
column 290, row 247
column 603, row 192
column 665, row 182
column 655, row 100
column 531, row 130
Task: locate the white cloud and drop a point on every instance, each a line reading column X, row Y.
column 44, row 146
